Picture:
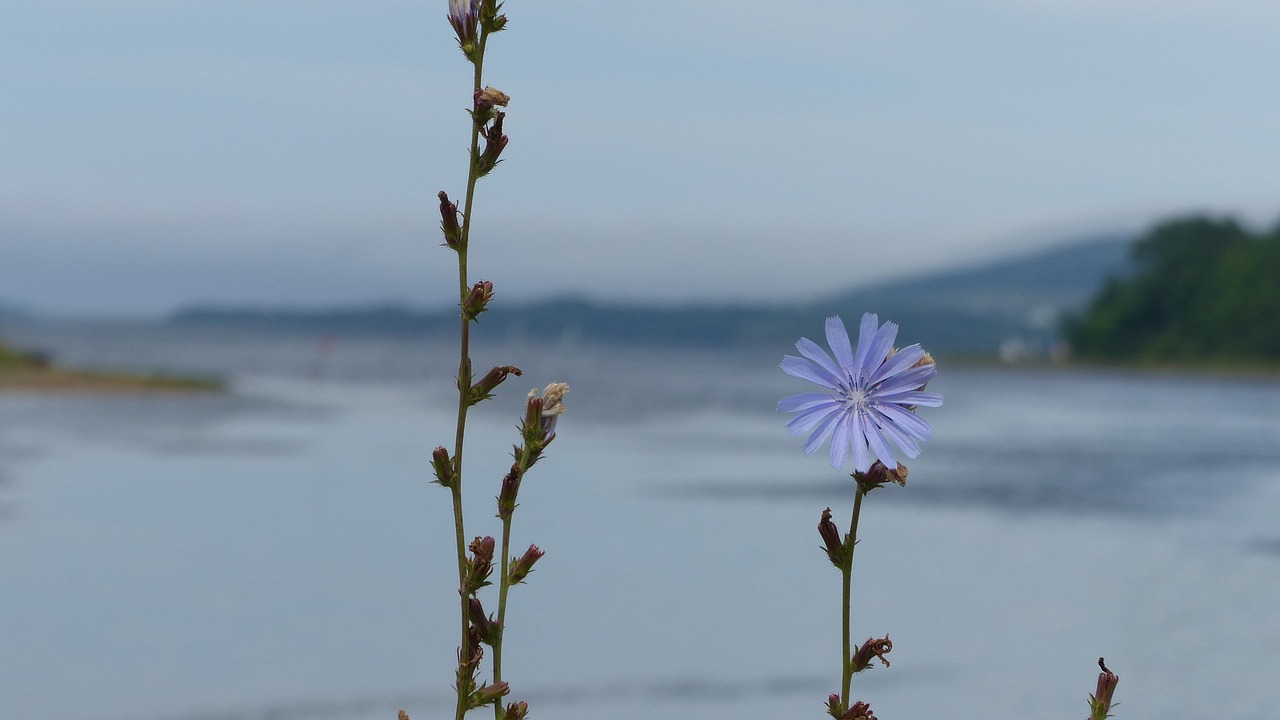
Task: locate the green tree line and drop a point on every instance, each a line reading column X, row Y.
column 1203, row 289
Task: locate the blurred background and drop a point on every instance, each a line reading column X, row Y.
column 225, row 353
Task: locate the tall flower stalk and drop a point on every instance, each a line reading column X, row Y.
column 869, row 398
column 473, row 21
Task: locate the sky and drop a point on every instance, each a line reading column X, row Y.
column 161, row 153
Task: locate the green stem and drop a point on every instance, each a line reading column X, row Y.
column 850, row 541
column 464, row 382
column 503, row 586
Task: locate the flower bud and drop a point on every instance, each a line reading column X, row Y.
column 831, row 538
column 488, row 694
column 542, row 412
column 478, row 300
column 449, row 222
column 871, row 649
column 463, row 15
column 490, row 18
column 1100, row 701
column 523, row 565
column 859, row 711
column 442, row 466
column 487, row 630
column 516, row 711
column 834, row 708
column 483, row 390
column 510, row 488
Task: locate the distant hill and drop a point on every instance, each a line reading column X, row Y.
column 980, row 309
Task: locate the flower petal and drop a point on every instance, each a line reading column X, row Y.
column 806, row 419
column 901, row 360
column 838, row 339
column 881, row 344
column 866, row 334
column 910, row 397
column 804, row 401
column 807, row 370
column 822, row 433
column 912, row 379
column 840, row 441
column 879, row 446
column 908, row 421
column 814, row 352
column 899, row 435
column 861, row 456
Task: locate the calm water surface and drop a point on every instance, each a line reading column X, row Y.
column 277, row 552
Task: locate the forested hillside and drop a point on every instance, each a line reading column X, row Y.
column 1204, row 289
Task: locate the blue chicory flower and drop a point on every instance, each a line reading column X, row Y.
column 871, row 394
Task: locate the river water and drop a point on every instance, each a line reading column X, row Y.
column 277, row 552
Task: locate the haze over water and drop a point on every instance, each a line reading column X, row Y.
column 277, row 551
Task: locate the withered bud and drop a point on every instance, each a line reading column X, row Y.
column 859, row 711
column 871, row 649
column 1100, row 701
column 480, row 565
column 879, row 474
column 510, row 488
column 403, row 715
column 478, row 300
column 831, row 538
column 516, row 711
column 494, row 143
column 483, row 390
column 468, row 662
column 491, row 96
column 443, row 467
column 523, row 565
column 449, row 222
column 552, row 408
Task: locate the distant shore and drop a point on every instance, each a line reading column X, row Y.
column 52, row 379
column 33, row 372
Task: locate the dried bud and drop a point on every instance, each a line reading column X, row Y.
column 480, row 565
column 491, row 96
column 516, row 711
column 483, row 390
column 831, row 538
column 468, row 662
column 1100, row 701
column 523, row 565
column 449, row 222
column 478, row 300
column 403, row 715
column 878, row 475
column 871, row 649
column 488, row 694
column 494, row 143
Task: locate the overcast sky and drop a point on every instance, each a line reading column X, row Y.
column 287, row 152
